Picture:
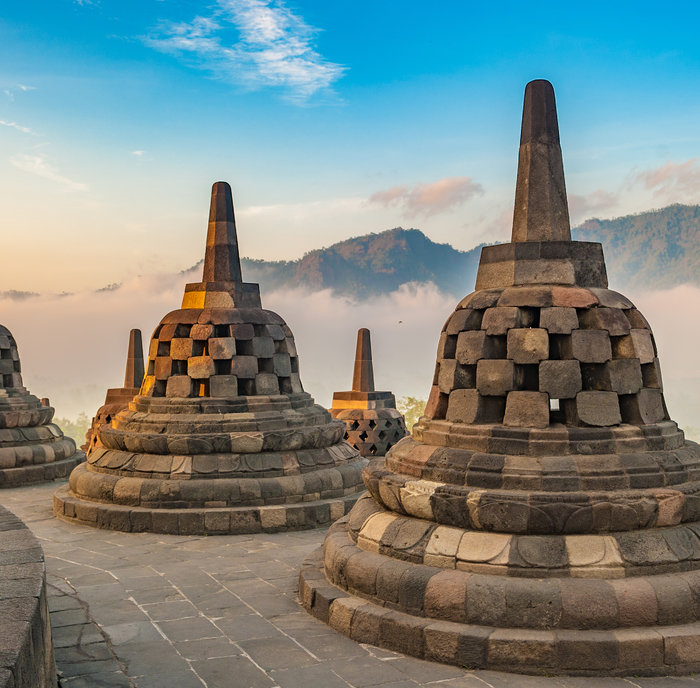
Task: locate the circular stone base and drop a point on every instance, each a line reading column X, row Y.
column 202, row 521
column 646, row 651
column 39, row 473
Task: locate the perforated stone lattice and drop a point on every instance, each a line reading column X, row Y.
column 531, row 356
column 220, row 356
column 373, row 436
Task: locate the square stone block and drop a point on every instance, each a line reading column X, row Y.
column 474, row 345
column 242, row 331
column 528, row 345
column 181, row 349
column 637, row 344
column 263, row 347
column 266, row 383
column 282, row 365
column 495, row 377
column 587, row 346
column 560, row 379
column 223, row 386
column 559, row 319
column 244, row 366
column 163, row 367
column 468, row 406
column 179, row 386
column 199, row 331
column 600, row 409
column 611, row 319
column 651, row 375
column 527, row 410
column 643, row 408
column 167, row 332
column 276, row 332
column 625, row 375
column 463, row 319
column 500, row 320
column 437, row 403
column 222, row 347
column 452, row 375
column 153, row 349
column 447, row 346
column 200, row 367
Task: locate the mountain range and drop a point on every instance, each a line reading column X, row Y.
column 659, row 248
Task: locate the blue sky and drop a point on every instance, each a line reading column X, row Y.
column 329, row 119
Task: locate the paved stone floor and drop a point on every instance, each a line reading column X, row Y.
column 164, row 611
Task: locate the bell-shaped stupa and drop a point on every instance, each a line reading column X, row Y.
column 221, row 437
column 372, row 423
column 544, row 515
column 32, row 448
column 118, row 398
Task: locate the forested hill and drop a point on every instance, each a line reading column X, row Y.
column 659, row 248
column 372, row 264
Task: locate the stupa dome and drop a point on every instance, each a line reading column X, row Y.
column 221, row 437
column 544, row 515
column 372, row 423
column 32, row 448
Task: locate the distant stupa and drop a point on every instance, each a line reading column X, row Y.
column 32, row 448
column 372, row 423
column 118, row 398
column 544, row 516
column 221, row 437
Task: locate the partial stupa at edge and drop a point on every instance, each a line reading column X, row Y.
column 372, row 423
column 118, row 398
column 32, row 448
column 221, row 437
column 544, row 515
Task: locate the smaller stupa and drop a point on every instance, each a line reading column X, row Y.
column 372, row 423
column 32, row 448
column 118, row 398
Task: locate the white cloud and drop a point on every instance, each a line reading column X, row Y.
column 429, row 199
column 38, row 165
column 673, row 181
column 273, row 47
column 18, row 127
column 138, row 153
column 581, row 206
column 10, row 92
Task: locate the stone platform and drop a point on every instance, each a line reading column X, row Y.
column 142, row 610
column 26, row 648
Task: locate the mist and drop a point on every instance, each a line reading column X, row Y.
column 73, row 347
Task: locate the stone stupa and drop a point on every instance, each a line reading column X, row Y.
column 32, row 448
column 372, row 423
column 118, row 398
column 221, row 437
column 544, row 515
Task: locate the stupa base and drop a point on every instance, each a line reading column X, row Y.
column 202, row 521
column 641, row 651
column 19, row 476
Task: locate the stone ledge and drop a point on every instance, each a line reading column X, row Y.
column 38, row 473
column 25, row 633
column 202, row 521
column 657, row 651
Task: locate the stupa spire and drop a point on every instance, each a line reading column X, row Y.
column 133, row 377
column 222, row 262
column 541, row 210
column 363, row 373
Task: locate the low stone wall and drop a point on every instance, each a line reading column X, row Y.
column 26, row 649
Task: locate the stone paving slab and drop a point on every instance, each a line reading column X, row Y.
column 142, row 610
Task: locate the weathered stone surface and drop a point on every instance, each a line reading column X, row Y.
column 220, row 438
column 493, row 378
column 560, row 379
column 528, row 345
column 527, row 410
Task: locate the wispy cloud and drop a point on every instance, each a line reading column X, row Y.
column 673, row 180
column 273, row 47
column 429, row 199
column 138, row 153
column 18, row 127
column 10, row 92
column 581, row 205
column 38, row 165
